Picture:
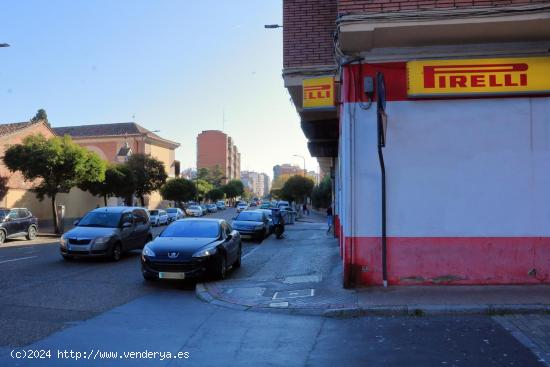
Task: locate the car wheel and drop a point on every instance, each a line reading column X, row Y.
column 2, row 237
column 237, row 263
column 116, row 252
column 67, row 257
column 149, row 277
column 222, row 267
column 31, row 233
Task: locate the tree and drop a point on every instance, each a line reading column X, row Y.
column 3, row 187
column 279, row 182
column 41, row 115
column 321, row 197
column 297, row 188
column 149, row 174
column 178, row 190
column 203, row 187
column 56, row 165
column 118, row 182
column 215, row 194
column 233, row 189
column 203, row 174
column 216, row 177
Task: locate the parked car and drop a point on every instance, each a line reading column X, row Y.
column 158, row 217
column 241, row 207
column 192, row 248
column 282, row 203
column 211, row 208
column 252, row 224
column 204, row 209
column 221, row 205
column 194, row 211
column 269, row 215
column 17, row 222
column 107, row 231
column 266, row 206
column 174, row 214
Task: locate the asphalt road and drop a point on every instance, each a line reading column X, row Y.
column 93, row 305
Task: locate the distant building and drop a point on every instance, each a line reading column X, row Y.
column 286, row 169
column 215, row 148
column 314, row 176
column 258, row 183
column 117, row 142
column 189, row 173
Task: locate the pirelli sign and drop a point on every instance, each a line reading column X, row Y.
column 318, row 93
column 442, row 78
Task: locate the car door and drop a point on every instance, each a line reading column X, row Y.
column 24, row 219
column 11, row 223
column 141, row 228
column 230, row 243
column 127, row 234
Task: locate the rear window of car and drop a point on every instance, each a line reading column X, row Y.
column 153, row 212
column 192, row 229
column 250, row 216
column 172, row 210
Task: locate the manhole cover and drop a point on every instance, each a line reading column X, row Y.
column 294, row 294
column 302, row 279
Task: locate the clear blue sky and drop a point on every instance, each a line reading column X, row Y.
column 176, row 65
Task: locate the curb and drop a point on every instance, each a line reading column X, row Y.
column 204, row 294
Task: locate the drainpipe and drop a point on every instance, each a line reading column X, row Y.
column 381, row 102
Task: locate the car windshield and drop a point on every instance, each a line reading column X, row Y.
column 195, row 207
column 250, row 216
column 3, row 213
column 100, row 219
column 193, row 229
column 173, row 210
column 153, row 212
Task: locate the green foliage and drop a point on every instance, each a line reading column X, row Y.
column 203, row 174
column 215, row 194
column 203, row 187
column 279, row 182
column 179, row 190
column 214, row 176
column 297, row 188
column 233, row 188
column 148, row 172
column 119, row 181
column 321, row 196
column 40, row 115
column 56, row 165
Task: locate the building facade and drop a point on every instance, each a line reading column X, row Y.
column 258, row 183
column 437, row 142
column 215, row 148
column 286, row 169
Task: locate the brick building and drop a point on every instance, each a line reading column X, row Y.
column 286, row 169
column 437, row 142
column 215, row 148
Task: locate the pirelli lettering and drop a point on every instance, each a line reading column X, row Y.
column 478, row 77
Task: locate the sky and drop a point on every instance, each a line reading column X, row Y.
column 170, row 65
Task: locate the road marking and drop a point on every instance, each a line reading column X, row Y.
column 21, row 258
column 249, row 253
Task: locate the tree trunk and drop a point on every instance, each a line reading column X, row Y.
column 54, row 212
column 142, row 200
column 105, row 199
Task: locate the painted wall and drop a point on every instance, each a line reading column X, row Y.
column 467, row 188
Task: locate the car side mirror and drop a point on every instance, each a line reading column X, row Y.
column 76, row 222
column 229, row 236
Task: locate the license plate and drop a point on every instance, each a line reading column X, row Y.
column 163, row 275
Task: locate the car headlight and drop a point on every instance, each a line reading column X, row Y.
column 101, row 240
column 205, row 253
column 147, row 252
column 63, row 242
column 259, row 227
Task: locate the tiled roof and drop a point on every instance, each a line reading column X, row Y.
column 118, row 129
column 13, row 127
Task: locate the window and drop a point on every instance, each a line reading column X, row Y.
column 127, row 218
column 192, row 229
column 227, row 228
column 12, row 215
column 23, row 213
column 140, row 216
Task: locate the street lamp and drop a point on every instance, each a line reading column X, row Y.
column 301, row 156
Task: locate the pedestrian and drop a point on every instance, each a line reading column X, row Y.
column 306, row 212
column 329, row 218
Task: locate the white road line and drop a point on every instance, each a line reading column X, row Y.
column 250, row 252
column 21, row 258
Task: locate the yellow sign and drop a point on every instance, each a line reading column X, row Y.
column 318, row 92
column 434, row 78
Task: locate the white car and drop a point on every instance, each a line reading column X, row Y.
column 241, row 207
column 158, row 217
column 174, row 214
column 194, row 211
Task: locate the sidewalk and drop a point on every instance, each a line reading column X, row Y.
column 302, row 274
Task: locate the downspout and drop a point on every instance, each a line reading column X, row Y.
column 381, row 101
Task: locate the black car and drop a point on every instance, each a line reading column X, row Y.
column 252, row 224
column 17, row 222
column 192, row 248
column 108, row 231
